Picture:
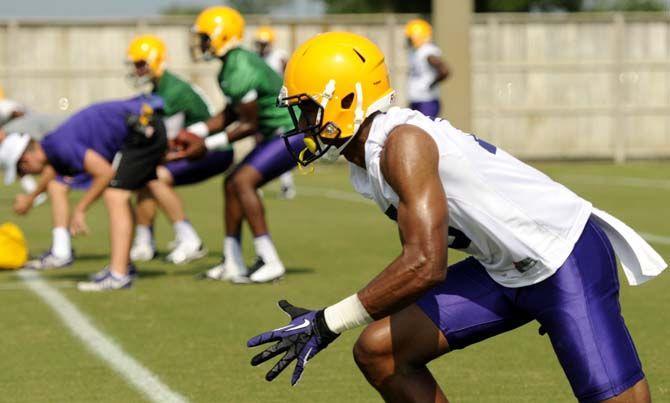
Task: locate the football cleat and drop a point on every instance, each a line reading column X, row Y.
column 262, row 272
column 228, row 271
column 132, row 272
column 106, row 282
column 287, row 192
column 186, row 252
column 142, row 252
column 49, row 261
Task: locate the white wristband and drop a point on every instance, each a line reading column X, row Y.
column 217, row 141
column 200, row 129
column 346, row 314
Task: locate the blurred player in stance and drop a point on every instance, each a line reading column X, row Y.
column 426, row 69
column 184, row 105
column 251, row 88
column 119, row 144
column 538, row 251
column 264, row 40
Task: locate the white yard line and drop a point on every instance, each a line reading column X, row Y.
column 99, row 344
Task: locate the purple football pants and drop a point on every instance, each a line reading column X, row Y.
column 428, row 108
column 578, row 307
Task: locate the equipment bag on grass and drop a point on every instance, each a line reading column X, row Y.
column 13, row 247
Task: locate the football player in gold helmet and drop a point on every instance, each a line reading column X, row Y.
column 538, row 251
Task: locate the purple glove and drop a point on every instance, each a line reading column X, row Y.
column 302, row 339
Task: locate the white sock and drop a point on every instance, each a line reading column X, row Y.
column 286, row 179
column 144, row 234
column 233, row 250
column 61, row 246
column 265, row 249
column 185, row 232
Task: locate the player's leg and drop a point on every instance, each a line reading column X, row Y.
column 466, row 308
column 579, row 309
column 287, row 186
column 135, row 168
column 393, row 352
column 189, row 245
column 232, row 267
column 117, row 202
column 266, row 162
column 144, row 245
column 60, row 254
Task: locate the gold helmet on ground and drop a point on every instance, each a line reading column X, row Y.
column 334, row 81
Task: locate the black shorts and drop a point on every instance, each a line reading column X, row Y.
column 142, row 152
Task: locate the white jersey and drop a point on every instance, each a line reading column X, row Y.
column 276, row 58
column 422, row 74
column 516, row 221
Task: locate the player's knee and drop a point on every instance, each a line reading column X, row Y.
column 373, row 352
column 241, row 183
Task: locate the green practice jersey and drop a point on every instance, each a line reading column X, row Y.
column 181, row 97
column 244, row 77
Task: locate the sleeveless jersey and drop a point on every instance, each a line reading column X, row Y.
column 518, row 222
column 422, row 74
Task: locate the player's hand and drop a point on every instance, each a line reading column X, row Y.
column 78, row 224
column 188, row 145
column 302, row 339
column 23, row 203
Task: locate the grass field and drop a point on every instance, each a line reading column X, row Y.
column 192, row 333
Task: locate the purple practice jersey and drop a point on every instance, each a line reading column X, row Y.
column 101, row 127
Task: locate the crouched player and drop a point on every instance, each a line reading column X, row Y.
column 119, row 144
column 539, row 251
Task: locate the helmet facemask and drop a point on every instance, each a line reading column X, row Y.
column 322, row 140
column 139, row 74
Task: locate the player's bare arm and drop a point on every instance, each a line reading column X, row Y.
column 24, row 202
column 441, row 69
column 409, row 163
column 102, row 172
column 246, row 124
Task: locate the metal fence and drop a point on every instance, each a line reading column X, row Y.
column 544, row 86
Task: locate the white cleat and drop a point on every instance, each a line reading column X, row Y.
column 228, row 272
column 186, row 252
column 142, row 252
column 267, row 272
column 287, row 192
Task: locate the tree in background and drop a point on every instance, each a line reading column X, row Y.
column 379, row 6
column 627, row 5
column 488, row 6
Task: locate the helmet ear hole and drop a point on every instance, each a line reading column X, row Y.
column 347, row 101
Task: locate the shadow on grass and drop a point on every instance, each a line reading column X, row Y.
column 79, row 276
column 201, row 269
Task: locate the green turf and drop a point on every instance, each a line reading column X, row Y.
column 192, row 333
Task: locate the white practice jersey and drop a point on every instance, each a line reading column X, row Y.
column 516, row 221
column 422, row 74
column 276, row 58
